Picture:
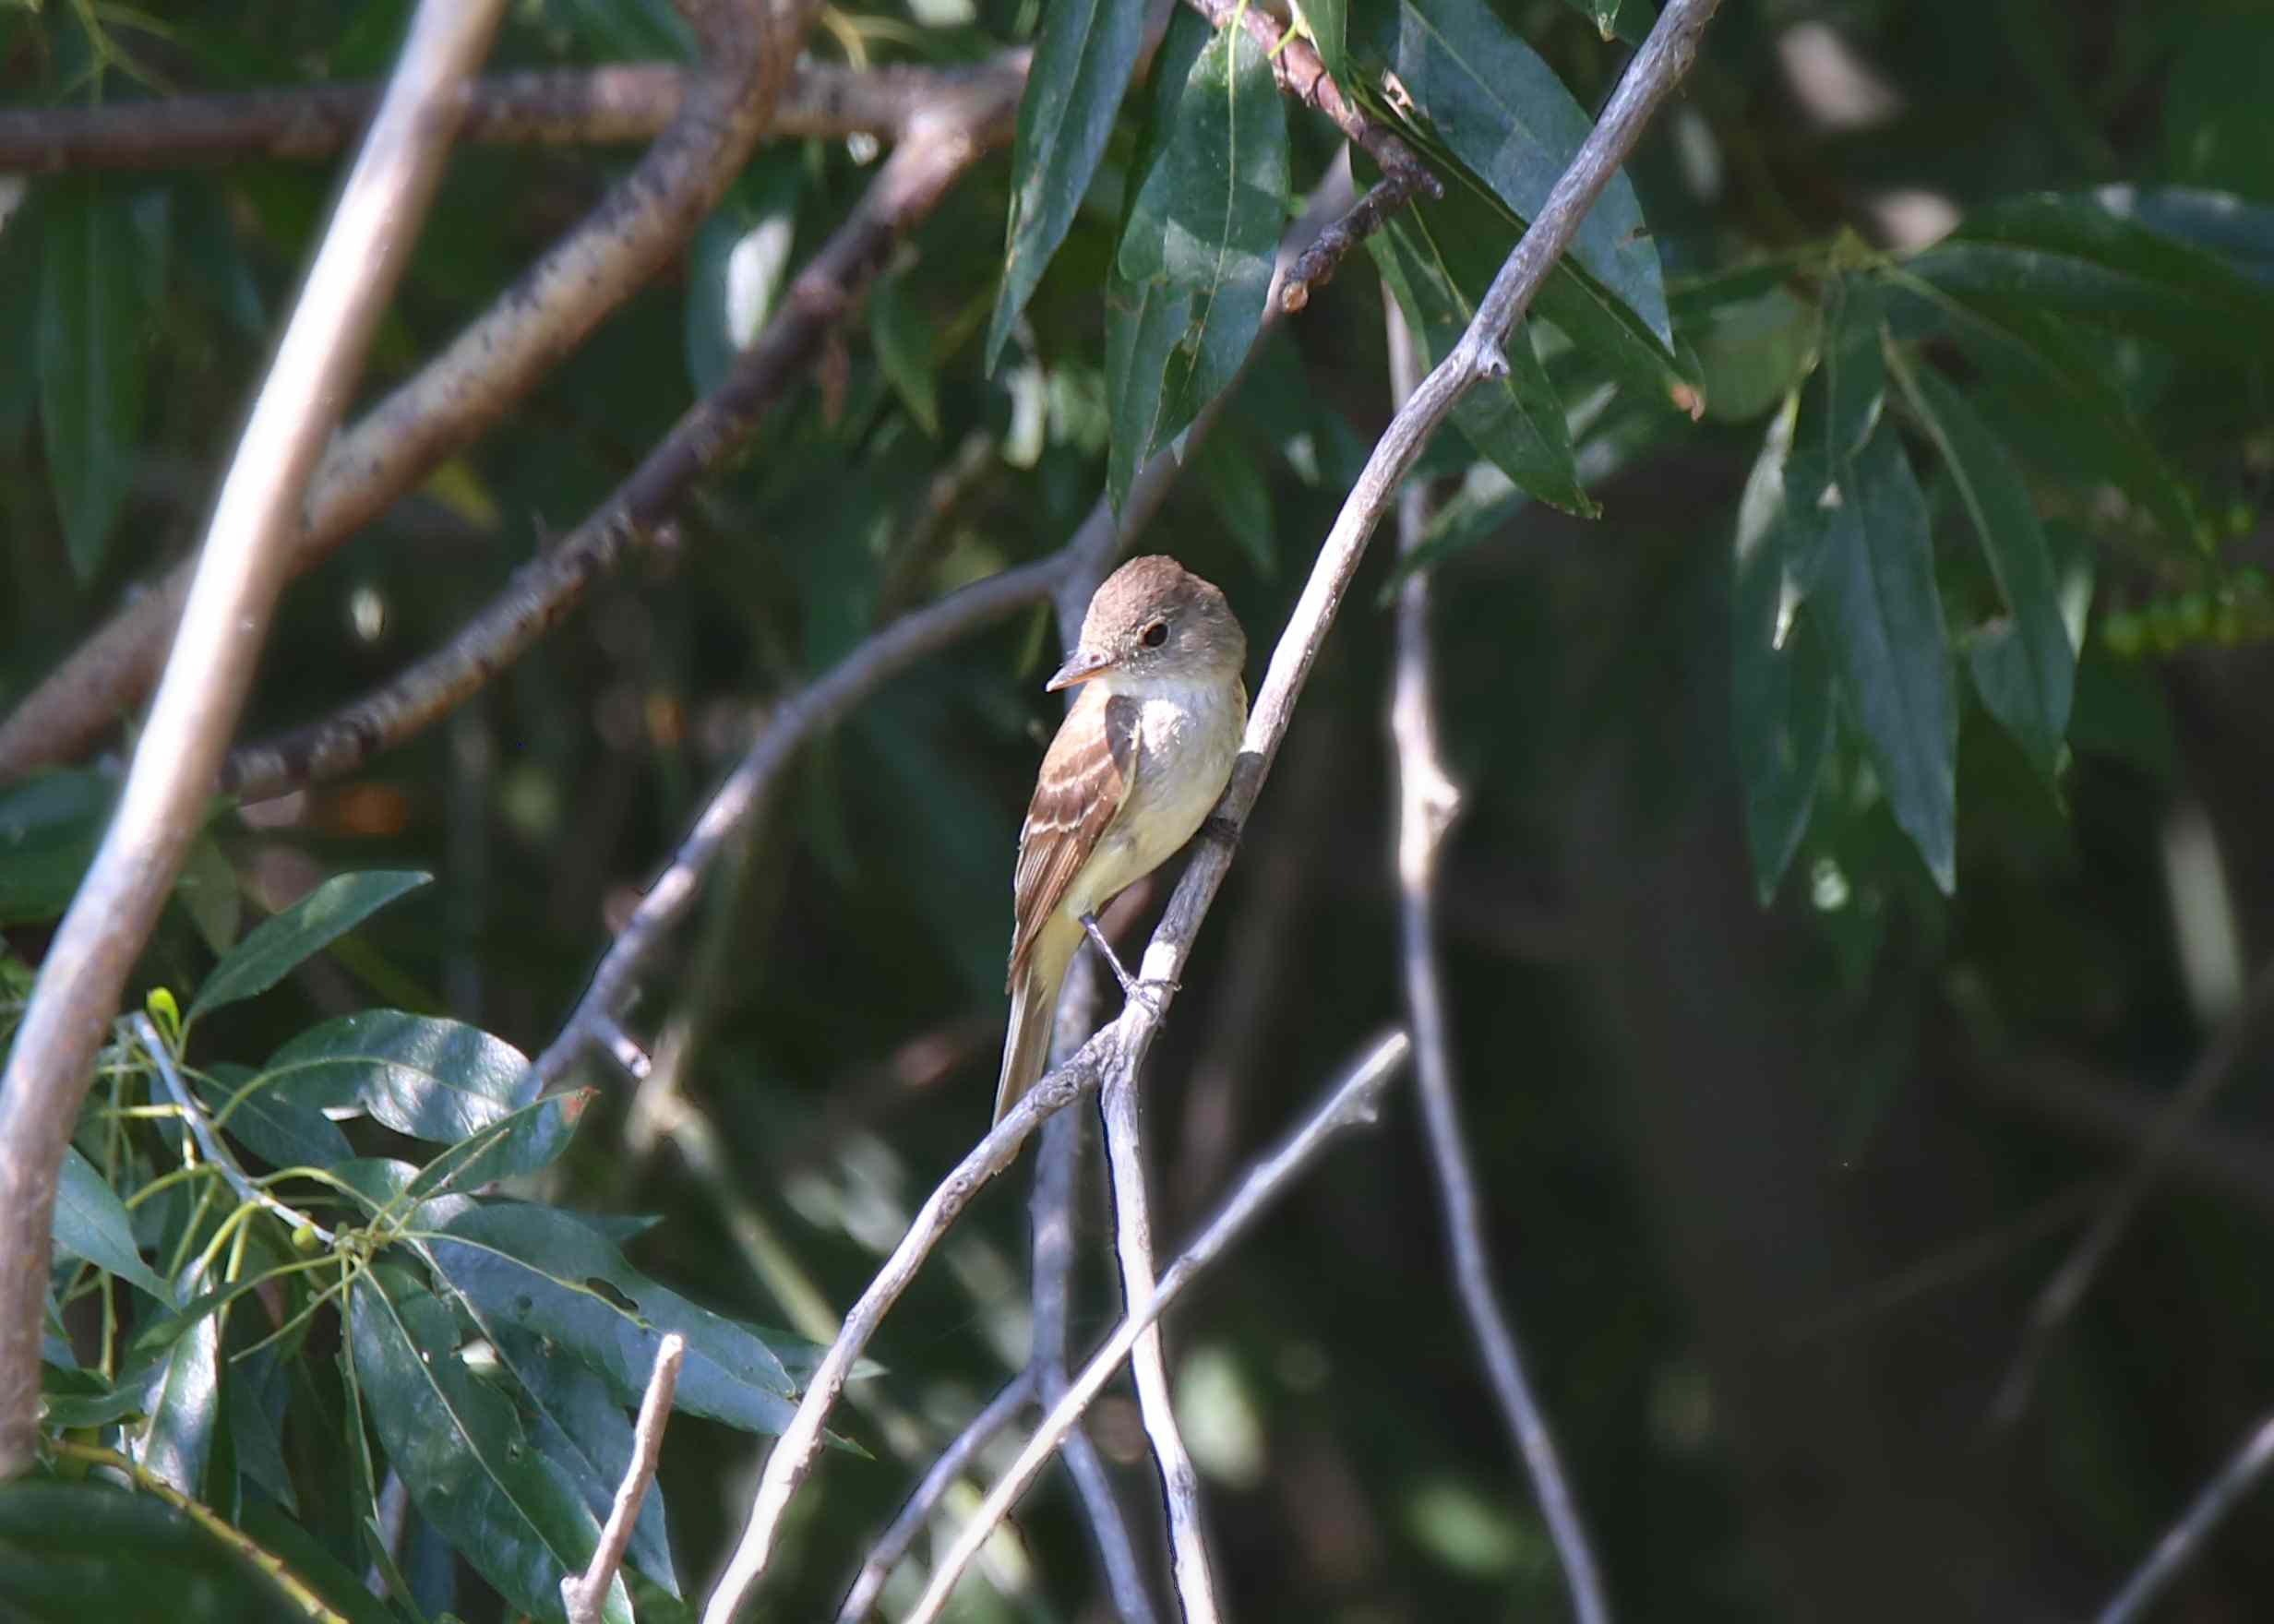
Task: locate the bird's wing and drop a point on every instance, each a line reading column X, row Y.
column 1083, row 784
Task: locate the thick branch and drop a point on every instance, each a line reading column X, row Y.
column 633, row 230
column 600, row 106
column 239, row 571
column 945, row 142
column 1428, row 802
column 1350, row 1104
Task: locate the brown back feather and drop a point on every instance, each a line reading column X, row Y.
column 1083, row 786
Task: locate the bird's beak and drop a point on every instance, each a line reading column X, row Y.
column 1080, row 666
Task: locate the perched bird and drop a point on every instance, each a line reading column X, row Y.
column 1138, row 762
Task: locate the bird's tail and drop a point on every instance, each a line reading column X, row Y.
column 1033, row 1011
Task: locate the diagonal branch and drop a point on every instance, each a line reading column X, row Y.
column 942, row 145
column 239, row 571
column 1351, row 1103
column 2184, row 1541
column 581, row 1594
column 1428, row 802
column 600, row 106
column 484, row 371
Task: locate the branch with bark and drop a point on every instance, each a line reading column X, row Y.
column 600, row 106
column 240, row 569
column 489, row 367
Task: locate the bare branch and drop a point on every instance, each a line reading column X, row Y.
column 1133, row 1244
column 945, row 142
column 239, row 571
column 485, row 370
column 793, row 1451
column 1428, row 802
column 1349, row 1103
column 2067, row 1288
column 602, row 106
column 953, row 1461
column 2185, row 1537
column 583, row 1594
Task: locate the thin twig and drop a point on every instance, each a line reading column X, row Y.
column 921, row 169
column 643, row 219
column 600, row 106
column 1133, row 1244
column 145, row 1033
column 794, row 1451
column 2185, row 1537
column 1427, row 802
column 583, row 1595
column 1666, row 55
column 1350, row 1103
column 955, row 1461
column 2061, row 1294
column 238, row 573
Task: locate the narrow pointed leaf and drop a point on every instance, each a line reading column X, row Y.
column 470, row 1468
column 539, row 1269
column 1997, row 502
column 1491, row 102
column 1848, row 389
column 95, row 308
column 87, row 1550
column 520, row 1142
column 1083, row 64
column 281, row 1132
column 273, row 949
column 1781, row 676
column 1875, row 571
column 91, row 1223
column 184, row 1402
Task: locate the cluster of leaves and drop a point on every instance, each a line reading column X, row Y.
column 211, row 1336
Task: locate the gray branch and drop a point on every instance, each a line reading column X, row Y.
column 227, row 601
column 2185, row 1540
column 582, row 1593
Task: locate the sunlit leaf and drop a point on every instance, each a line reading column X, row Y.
column 183, row 1402
column 521, row 1141
column 432, row 1079
column 470, row 1468
column 541, row 1271
column 276, row 946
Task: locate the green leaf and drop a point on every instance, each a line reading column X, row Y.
column 281, row 1132
column 91, row 1223
column 253, row 1402
column 1780, row 675
column 279, row 944
column 80, row 1551
column 1874, row 567
column 2085, row 255
column 19, row 318
column 462, row 1453
column 2234, row 229
column 434, row 1080
column 96, row 305
column 1082, row 67
column 208, row 892
column 1750, row 351
column 2032, row 355
column 904, row 341
column 184, row 1402
column 313, row 1565
column 1503, row 112
column 50, row 825
column 1517, row 421
column 1199, row 243
column 736, row 265
column 519, row 1142
column 540, row 1269
column 1241, row 497
column 2036, row 711
column 1848, row 389
column 582, row 1429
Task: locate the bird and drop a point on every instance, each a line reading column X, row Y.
column 1145, row 750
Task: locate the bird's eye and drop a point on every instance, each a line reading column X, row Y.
column 1156, row 635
